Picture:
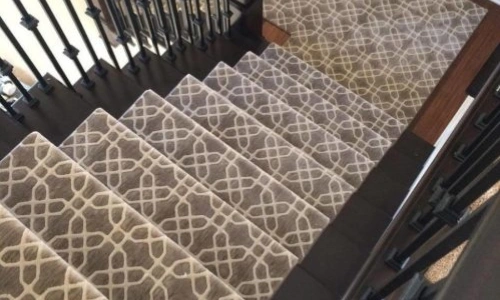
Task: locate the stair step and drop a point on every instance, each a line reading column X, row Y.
column 192, row 61
column 330, row 90
column 156, row 74
column 57, row 114
column 256, row 195
column 299, row 172
column 114, row 92
column 322, row 112
column 29, row 269
column 301, row 132
column 115, row 248
column 227, row 244
column 12, row 133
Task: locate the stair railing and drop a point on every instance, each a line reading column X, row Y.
column 69, row 50
column 31, row 23
column 6, row 70
column 196, row 22
column 42, row 83
column 436, row 218
column 164, row 25
column 94, row 12
column 98, row 68
column 123, row 38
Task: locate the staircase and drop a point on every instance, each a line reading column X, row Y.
column 216, row 191
column 215, row 182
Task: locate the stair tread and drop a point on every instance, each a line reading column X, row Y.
column 256, row 195
column 301, row 132
column 332, row 91
column 224, row 241
column 322, row 112
column 115, row 248
column 321, row 188
column 48, row 274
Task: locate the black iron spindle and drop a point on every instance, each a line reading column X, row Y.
column 164, row 27
column 186, row 12
column 218, row 16
column 210, row 24
column 69, row 50
column 174, row 13
column 226, row 18
column 491, row 130
column 198, row 22
column 31, row 23
column 135, row 27
column 449, row 211
column 482, row 157
column 94, row 12
column 10, row 110
column 145, row 5
column 446, row 244
column 98, row 69
column 485, row 119
column 6, row 70
column 122, row 38
column 42, row 83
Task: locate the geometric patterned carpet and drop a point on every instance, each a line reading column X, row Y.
column 219, row 189
column 391, row 53
column 31, row 270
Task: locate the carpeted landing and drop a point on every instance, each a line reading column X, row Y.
column 215, row 191
column 392, row 53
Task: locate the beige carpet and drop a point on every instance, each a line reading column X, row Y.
column 391, row 53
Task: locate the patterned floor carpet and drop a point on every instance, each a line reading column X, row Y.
column 219, row 189
column 214, row 192
column 391, row 53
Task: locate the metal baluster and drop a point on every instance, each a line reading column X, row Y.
column 226, row 18
column 139, row 18
column 179, row 43
column 122, row 38
column 450, row 211
column 8, row 107
column 98, row 69
column 94, row 12
column 218, row 16
column 69, row 50
column 142, row 51
column 464, row 174
column 446, row 244
column 198, row 22
column 42, row 83
column 6, row 70
column 485, row 120
column 155, row 16
column 163, row 21
column 187, row 16
column 31, row 23
column 210, row 24
column 486, row 134
column 144, row 4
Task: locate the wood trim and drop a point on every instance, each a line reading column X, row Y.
column 450, row 93
column 274, row 34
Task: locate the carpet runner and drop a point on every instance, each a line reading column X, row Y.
column 331, row 118
column 322, row 189
column 391, row 53
column 330, row 90
column 220, row 238
column 29, row 269
column 259, row 197
column 113, row 247
column 215, row 191
column 301, row 132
